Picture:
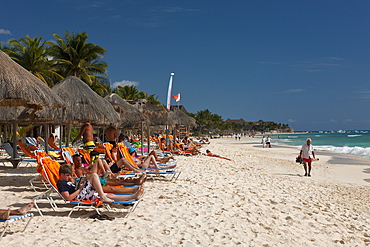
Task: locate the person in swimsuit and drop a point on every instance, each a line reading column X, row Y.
column 99, row 167
column 111, row 134
column 146, row 162
column 87, row 134
column 5, row 213
column 89, row 190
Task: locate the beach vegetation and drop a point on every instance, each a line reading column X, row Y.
column 31, row 54
column 208, row 122
column 74, row 56
column 131, row 94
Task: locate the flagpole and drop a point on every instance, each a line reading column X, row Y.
column 169, row 92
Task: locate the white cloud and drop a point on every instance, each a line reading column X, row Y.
column 365, row 94
column 348, row 120
column 291, row 120
column 177, row 9
column 333, row 121
column 3, row 31
column 125, row 83
column 293, row 91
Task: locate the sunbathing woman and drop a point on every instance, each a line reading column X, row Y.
column 99, row 167
column 5, row 213
column 208, row 153
column 119, row 162
column 146, row 162
column 87, row 190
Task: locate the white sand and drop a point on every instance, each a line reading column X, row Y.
column 258, row 199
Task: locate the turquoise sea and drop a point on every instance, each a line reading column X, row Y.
column 344, row 142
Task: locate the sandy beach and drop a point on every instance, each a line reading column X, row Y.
column 260, row 198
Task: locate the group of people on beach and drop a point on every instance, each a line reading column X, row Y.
column 100, row 179
column 266, row 141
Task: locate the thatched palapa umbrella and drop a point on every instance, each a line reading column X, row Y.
column 82, row 104
column 181, row 119
column 155, row 116
column 18, row 87
column 126, row 111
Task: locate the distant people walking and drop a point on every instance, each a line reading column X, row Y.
column 236, row 136
column 268, row 141
column 263, row 141
column 239, row 135
column 307, row 153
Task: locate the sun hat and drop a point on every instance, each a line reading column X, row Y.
column 131, row 150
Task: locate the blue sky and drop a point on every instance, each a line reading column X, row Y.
column 304, row 63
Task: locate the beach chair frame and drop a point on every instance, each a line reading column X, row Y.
column 53, row 197
column 14, row 218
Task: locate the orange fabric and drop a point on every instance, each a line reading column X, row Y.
column 124, row 152
column 32, row 147
column 26, row 151
column 51, row 170
column 40, row 155
column 86, row 155
column 52, row 144
column 100, row 149
column 108, row 147
column 69, row 149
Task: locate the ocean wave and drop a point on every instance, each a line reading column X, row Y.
column 291, row 137
column 360, row 151
column 353, row 135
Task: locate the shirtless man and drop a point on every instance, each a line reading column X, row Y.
column 111, row 134
column 5, row 214
column 86, row 132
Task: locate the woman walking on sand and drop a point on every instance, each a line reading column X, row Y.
column 307, row 153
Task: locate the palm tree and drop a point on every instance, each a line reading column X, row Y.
column 152, row 99
column 103, row 89
column 76, row 57
column 31, row 54
column 129, row 93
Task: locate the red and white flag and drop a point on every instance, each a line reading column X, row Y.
column 177, row 97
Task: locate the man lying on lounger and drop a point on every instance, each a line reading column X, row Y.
column 5, row 213
column 87, row 190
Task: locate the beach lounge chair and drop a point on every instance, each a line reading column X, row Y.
column 14, row 218
column 9, row 150
column 50, row 172
column 26, row 150
column 67, row 157
column 151, row 172
column 52, row 145
column 32, row 141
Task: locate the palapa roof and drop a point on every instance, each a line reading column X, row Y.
column 126, row 111
column 155, row 114
column 180, row 117
column 82, row 103
column 19, row 87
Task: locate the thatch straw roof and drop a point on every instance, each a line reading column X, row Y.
column 180, row 118
column 18, row 87
column 126, row 111
column 155, row 114
column 19, row 114
column 82, row 104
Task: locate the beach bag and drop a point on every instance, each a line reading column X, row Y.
column 298, row 159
